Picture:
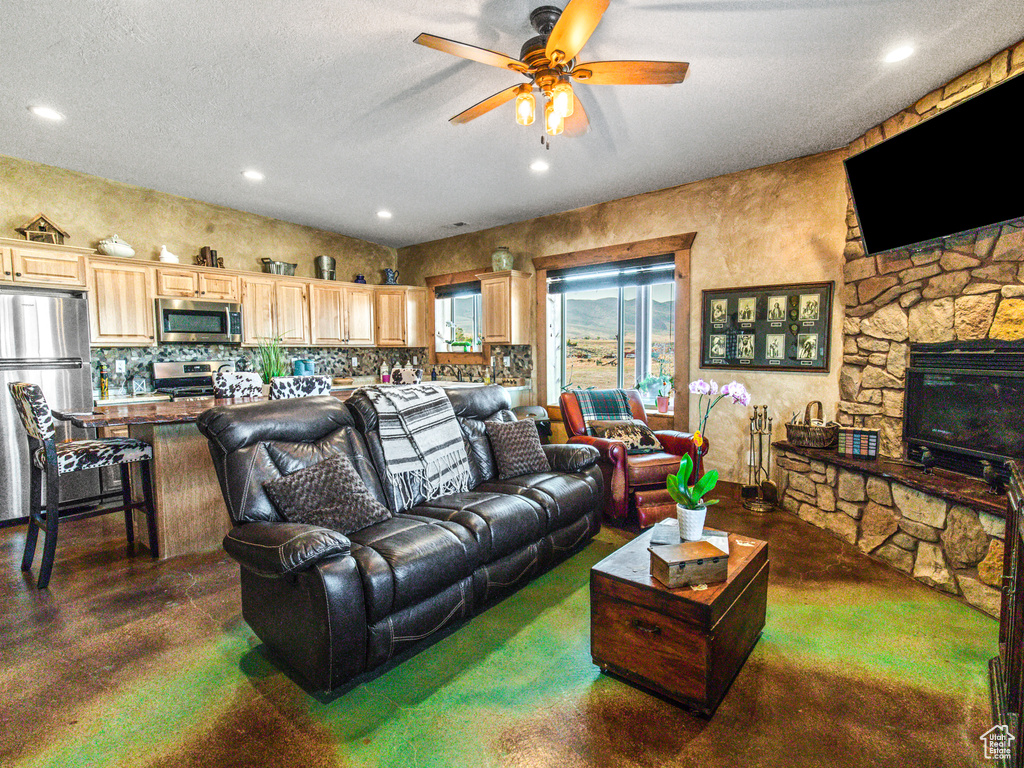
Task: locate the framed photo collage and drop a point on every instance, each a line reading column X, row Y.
column 767, row 328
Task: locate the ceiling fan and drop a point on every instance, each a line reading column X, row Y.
column 548, row 61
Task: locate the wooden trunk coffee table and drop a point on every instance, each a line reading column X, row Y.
column 687, row 644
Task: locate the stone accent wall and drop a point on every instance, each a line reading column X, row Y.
column 970, row 287
column 949, row 547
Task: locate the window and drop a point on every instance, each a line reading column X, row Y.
column 617, row 325
column 458, row 312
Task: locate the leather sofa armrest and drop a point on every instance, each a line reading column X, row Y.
column 281, row 549
column 571, row 458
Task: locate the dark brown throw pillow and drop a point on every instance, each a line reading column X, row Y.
column 516, row 448
column 637, row 436
column 330, row 494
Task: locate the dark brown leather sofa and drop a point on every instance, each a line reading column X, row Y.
column 335, row 606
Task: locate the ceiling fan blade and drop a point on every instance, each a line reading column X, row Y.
column 631, row 72
column 574, row 27
column 486, row 105
column 470, row 52
column 577, row 123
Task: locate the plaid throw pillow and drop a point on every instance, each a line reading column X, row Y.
column 602, row 405
column 516, row 448
column 636, row 435
column 330, row 494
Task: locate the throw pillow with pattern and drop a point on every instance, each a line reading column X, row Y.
column 330, row 494
column 516, row 448
column 637, row 436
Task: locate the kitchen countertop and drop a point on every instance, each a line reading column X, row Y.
column 139, row 411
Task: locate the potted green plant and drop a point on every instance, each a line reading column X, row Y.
column 664, row 390
column 691, row 508
column 270, row 353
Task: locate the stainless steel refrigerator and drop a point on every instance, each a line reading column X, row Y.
column 44, row 339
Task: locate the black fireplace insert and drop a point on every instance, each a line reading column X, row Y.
column 964, row 406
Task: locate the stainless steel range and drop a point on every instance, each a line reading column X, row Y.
column 191, row 380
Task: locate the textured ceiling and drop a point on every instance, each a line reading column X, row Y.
column 345, row 115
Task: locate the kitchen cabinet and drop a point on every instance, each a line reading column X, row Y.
column 191, row 283
column 42, row 263
column 273, row 307
column 341, row 315
column 291, row 312
column 506, row 307
column 401, row 316
column 217, row 287
column 359, row 305
column 120, row 304
column 177, row 283
column 258, row 299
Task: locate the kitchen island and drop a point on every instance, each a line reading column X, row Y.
column 190, row 512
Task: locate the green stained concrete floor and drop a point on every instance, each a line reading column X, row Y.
column 131, row 663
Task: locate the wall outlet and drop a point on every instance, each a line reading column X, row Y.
column 508, row 361
column 415, row 360
column 355, row 362
column 120, row 366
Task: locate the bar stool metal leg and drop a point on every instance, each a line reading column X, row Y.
column 126, row 499
column 52, row 521
column 35, row 504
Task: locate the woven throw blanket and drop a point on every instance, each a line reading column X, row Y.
column 603, row 405
column 422, row 442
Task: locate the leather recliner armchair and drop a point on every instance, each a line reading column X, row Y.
column 634, row 482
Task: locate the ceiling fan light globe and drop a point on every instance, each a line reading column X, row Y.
column 554, row 123
column 526, row 108
column 563, row 99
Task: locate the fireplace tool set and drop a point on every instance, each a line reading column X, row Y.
column 761, row 493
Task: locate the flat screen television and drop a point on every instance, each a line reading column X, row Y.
column 957, row 171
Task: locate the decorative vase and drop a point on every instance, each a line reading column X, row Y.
column 662, row 404
column 390, row 277
column 501, row 259
column 361, row 279
column 691, row 522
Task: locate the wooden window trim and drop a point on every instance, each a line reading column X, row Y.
column 679, row 245
column 452, row 358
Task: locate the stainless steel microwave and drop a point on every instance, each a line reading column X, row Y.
column 184, row 320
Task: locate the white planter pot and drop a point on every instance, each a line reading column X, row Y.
column 691, row 522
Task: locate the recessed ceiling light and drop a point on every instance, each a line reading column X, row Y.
column 253, row 175
column 384, row 214
column 899, row 54
column 539, row 165
column 47, row 113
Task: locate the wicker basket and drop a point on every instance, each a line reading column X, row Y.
column 810, row 435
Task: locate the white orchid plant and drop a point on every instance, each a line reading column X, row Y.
column 710, row 390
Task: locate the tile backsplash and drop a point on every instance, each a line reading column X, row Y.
column 334, row 360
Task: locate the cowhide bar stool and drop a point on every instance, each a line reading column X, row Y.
column 56, row 459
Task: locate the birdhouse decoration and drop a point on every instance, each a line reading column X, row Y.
column 42, row 230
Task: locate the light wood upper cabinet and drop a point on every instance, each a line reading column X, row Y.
column 401, row 316
column 45, row 264
column 292, row 312
column 326, row 315
column 506, row 305
column 214, row 287
column 359, row 307
column 391, row 317
column 120, row 304
column 258, row 300
column 177, row 283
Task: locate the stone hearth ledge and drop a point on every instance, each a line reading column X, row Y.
column 943, row 529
